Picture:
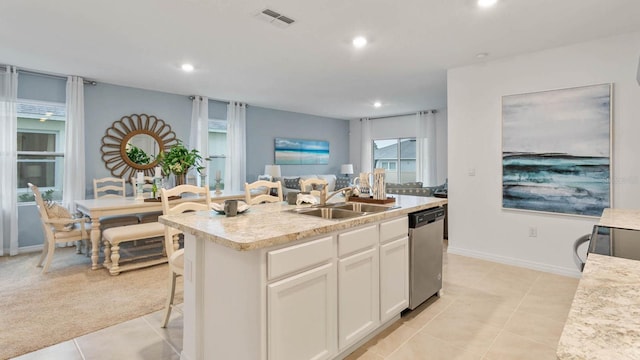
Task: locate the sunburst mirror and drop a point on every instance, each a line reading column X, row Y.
column 133, row 143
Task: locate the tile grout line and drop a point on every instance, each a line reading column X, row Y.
column 75, row 342
column 418, row 330
column 153, row 328
column 502, row 329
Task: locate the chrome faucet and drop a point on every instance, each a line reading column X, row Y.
column 324, row 196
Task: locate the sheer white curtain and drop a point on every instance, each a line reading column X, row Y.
column 426, row 148
column 366, row 154
column 199, row 134
column 74, row 177
column 235, row 173
column 8, row 160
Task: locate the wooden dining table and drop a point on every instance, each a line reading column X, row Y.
column 98, row 208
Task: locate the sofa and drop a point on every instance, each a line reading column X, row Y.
column 415, row 189
column 292, row 183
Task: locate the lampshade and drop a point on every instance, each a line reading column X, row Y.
column 346, row 169
column 273, row 170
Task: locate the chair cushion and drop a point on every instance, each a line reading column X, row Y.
column 115, row 235
column 55, row 211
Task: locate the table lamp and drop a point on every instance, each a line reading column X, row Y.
column 273, row 171
column 346, row 169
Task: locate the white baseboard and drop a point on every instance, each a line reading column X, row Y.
column 515, row 262
column 30, row 249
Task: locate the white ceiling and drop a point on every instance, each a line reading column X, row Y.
column 309, row 67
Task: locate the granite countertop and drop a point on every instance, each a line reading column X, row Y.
column 621, row 218
column 604, row 320
column 270, row 224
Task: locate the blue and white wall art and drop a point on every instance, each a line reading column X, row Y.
column 301, row 152
column 556, row 150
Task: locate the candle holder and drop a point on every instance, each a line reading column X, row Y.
column 218, row 192
column 139, row 191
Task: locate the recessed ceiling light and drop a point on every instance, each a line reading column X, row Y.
column 482, row 55
column 48, row 113
column 359, row 41
column 43, row 119
column 377, row 104
column 486, row 3
column 187, row 67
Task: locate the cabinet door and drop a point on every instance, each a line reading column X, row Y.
column 358, row 296
column 394, row 278
column 301, row 315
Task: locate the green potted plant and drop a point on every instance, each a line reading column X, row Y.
column 137, row 155
column 178, row 160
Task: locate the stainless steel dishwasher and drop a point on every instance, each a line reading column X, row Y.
column 425, row 254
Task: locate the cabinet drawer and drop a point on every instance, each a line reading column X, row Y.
column 294, row 258
column 356, row 240
column 393, row 229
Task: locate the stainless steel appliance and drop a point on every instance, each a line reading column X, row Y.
column 425, row 255
column 609, row 241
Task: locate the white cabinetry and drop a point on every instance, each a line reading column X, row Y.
column 301, row 307
column 325, row 295
column 394, row 268
column 302, row 315
column 358, row 285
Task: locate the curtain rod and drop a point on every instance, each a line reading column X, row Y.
column 407, row 114
column 53, row 76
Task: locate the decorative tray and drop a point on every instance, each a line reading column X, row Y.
column 371, row 200
column 219, row 207
column 160, row 199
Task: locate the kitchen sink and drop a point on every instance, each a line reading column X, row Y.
column 360, row 207
column 328, row 212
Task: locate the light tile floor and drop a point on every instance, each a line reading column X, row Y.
column 487, row 311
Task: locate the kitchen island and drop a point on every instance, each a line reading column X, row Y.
column 273, row 284
column 604, row 319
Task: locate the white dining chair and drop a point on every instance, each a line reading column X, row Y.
column 171, row 235
column 260, row 191
column 111, row 187
column 59, row 227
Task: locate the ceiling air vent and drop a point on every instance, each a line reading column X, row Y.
column 275, row 18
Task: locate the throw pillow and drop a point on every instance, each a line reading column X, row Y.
column 342, row 183
column 292, row 183
column 55, row 211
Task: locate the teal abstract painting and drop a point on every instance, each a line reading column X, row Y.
column 556, row 151
column 301, row 152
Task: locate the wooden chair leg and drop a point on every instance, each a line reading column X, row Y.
column 170, row 296
column 115, row 259
column 51, row 247
column 43, row 255
column 107, row 253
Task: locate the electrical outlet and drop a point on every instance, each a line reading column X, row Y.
column 471, row 171
column 533, row 231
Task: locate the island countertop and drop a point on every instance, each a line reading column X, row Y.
column 604, row 320
column 271, row 224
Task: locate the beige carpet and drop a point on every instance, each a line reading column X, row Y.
column 71, row 300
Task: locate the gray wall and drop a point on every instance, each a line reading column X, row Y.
column 106, row 103
column 264, row 125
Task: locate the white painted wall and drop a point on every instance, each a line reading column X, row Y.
column 477, row 224
column 397, row 127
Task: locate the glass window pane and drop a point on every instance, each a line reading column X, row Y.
column 29, row 141
column 385, row 151
column 41, row 128
column 407, row 160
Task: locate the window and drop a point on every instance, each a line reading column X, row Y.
column 217, row 151
column 40, row 145
column 397, row 157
